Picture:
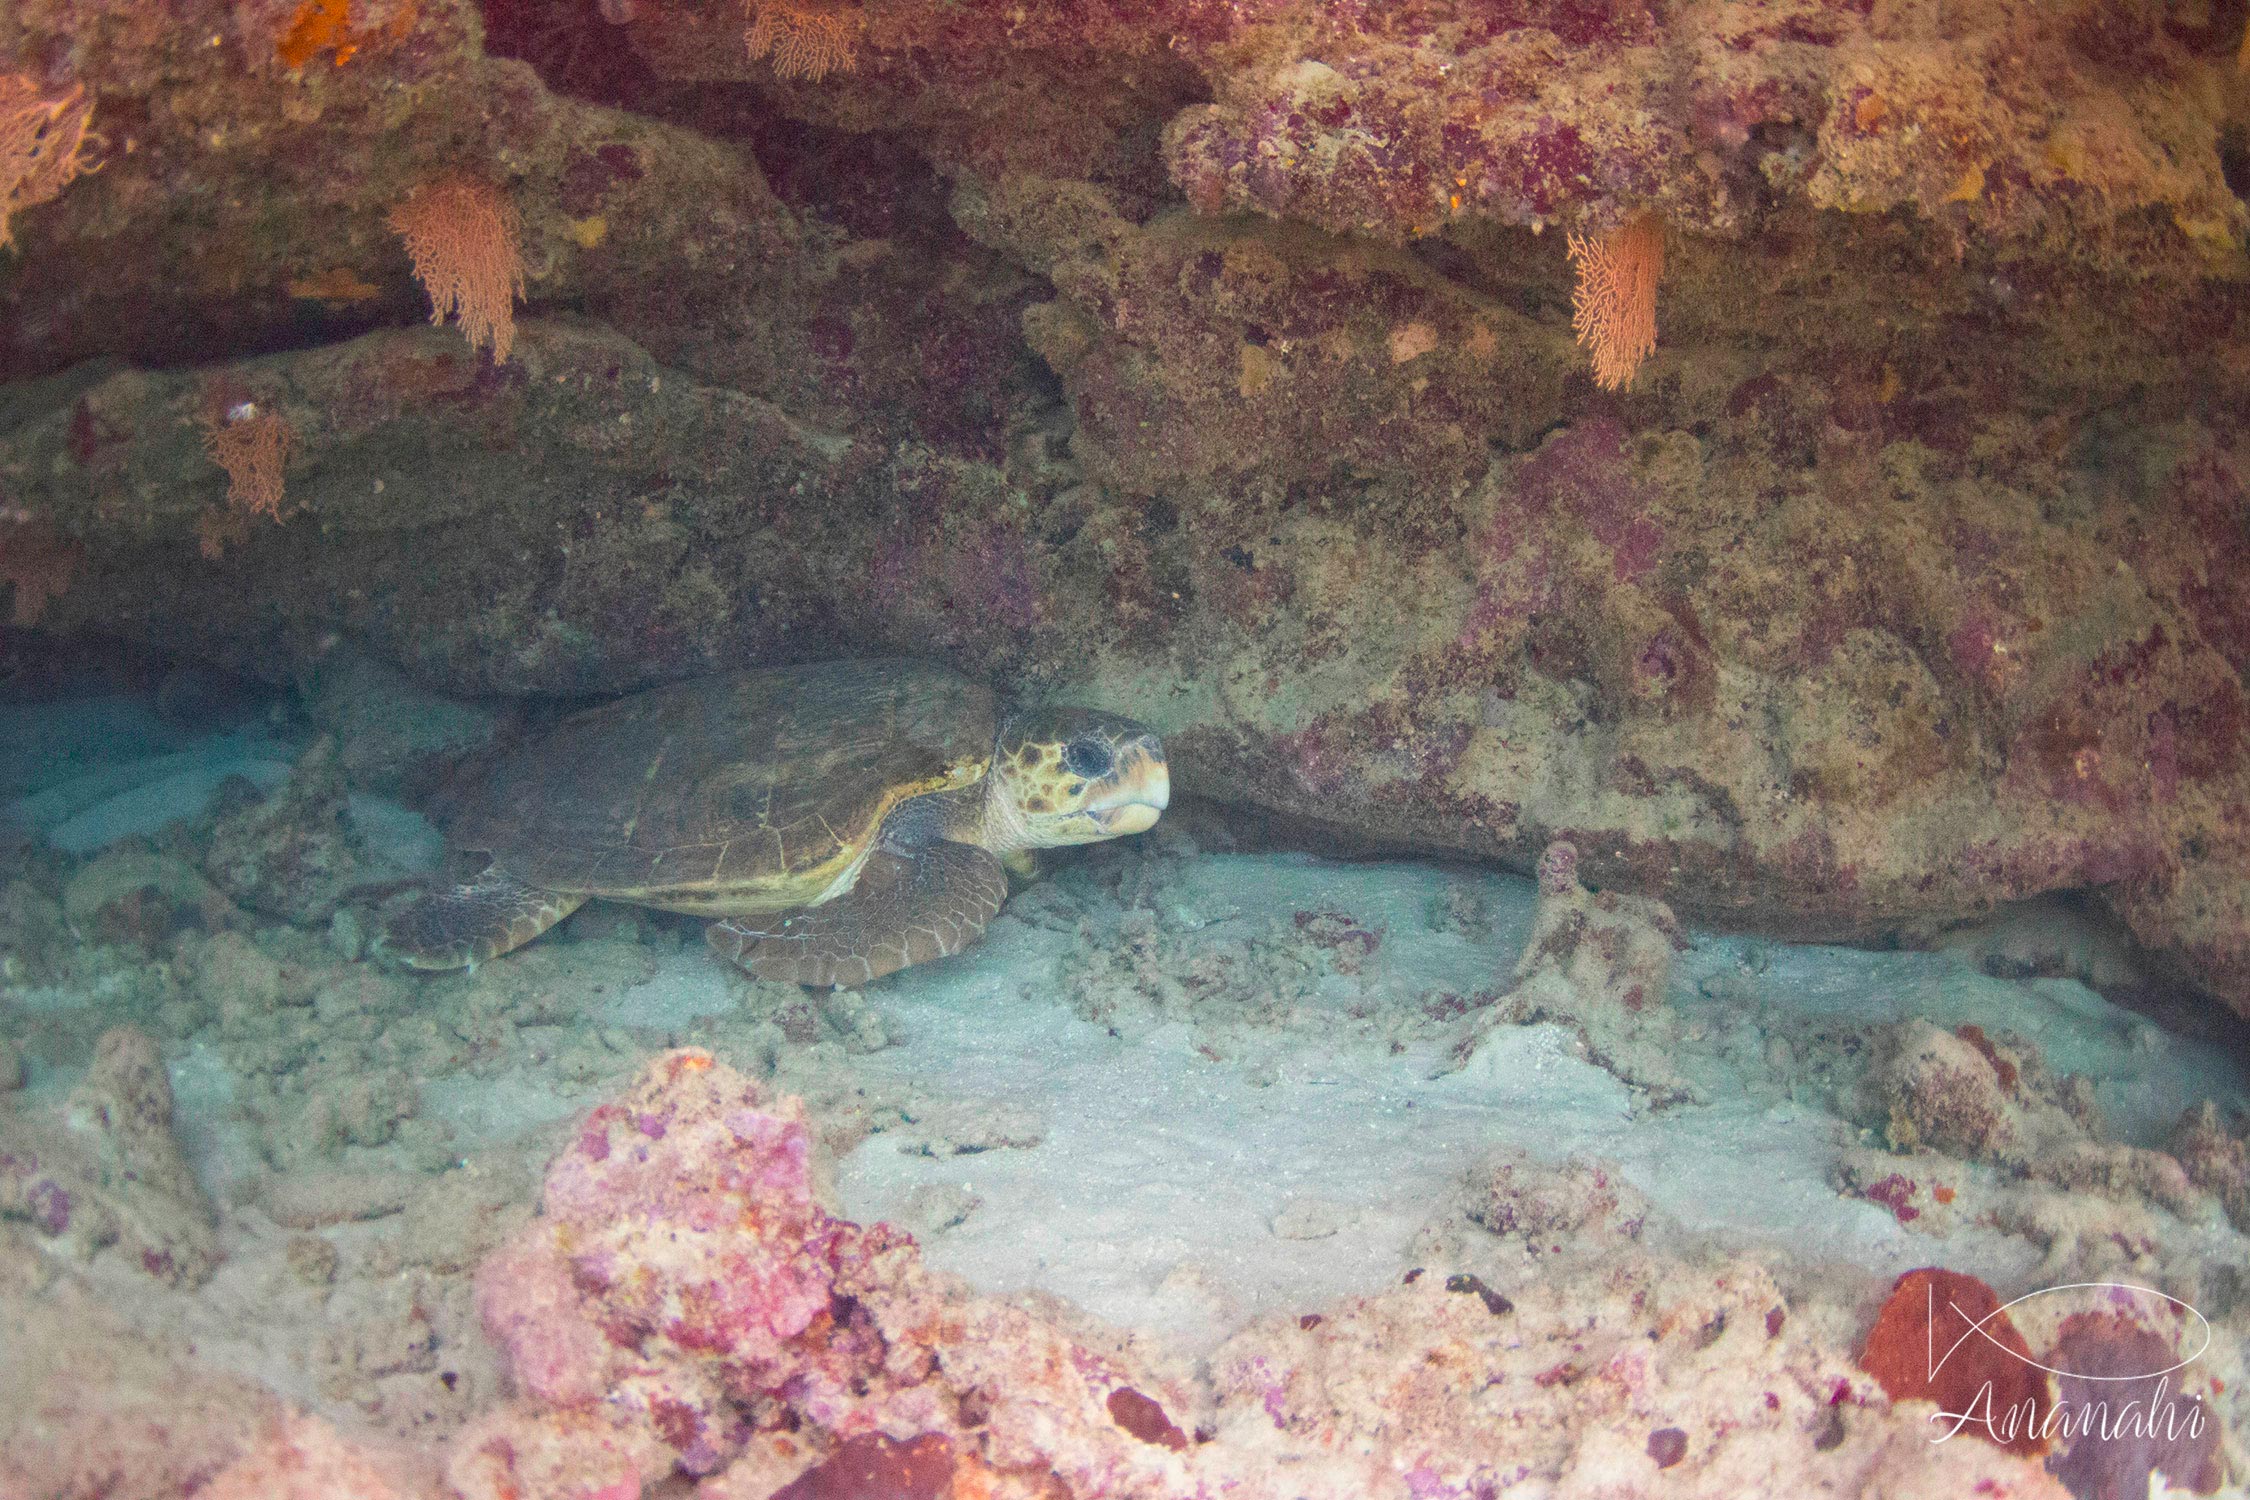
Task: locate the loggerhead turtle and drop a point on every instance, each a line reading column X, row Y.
column 842, row 820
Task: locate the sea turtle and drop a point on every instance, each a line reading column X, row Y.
column 841, row 820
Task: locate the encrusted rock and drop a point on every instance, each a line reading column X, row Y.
column 683, row 1301
column 1519, row 1195
column 2217, row 1158
column 391, row 733
column 1597, row 963
column 135, row 896
column 105, row 1169
column 290, row 855
column 1938, row 1090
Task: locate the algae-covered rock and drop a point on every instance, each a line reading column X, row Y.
column 1218, row 364
column 1596, row 963
column 392, row 733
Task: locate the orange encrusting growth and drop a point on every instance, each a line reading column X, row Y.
column 42, row 141
column 464, row 239
column 1942, row 1336
column 804, row 41
column 338, row 284
column 1613, row 308
column 317, row 26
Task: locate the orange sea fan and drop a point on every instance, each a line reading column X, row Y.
column 1613, row 308
column 252, row 445
column 804, row 41
column 42, row 140
column 464, row 238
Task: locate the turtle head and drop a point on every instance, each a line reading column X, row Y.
column 1075, row 776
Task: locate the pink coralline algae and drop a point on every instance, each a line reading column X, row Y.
column 1395, row 121
column 684, row 1306
column 679, row 1231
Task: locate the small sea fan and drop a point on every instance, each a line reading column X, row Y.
column 464, row 238
column 1614, row 306
column 804, row 41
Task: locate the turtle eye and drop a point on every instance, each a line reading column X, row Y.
column 1086, row 758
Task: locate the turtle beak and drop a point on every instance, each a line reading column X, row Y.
column 1141, row 789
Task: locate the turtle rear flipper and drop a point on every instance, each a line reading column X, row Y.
column 907, row 907
column 463, row 925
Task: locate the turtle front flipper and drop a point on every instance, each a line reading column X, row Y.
column 907, row 907
column 463, row 925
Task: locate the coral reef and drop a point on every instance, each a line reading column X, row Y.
column 1962, row 1095
column 2216, row 1159
column 685, row 1308
column 1941, row 1088
column 1579, row 1201
column 304, row 1458
column 1590, row 1386
column 1980, row 700
column 684, row 1305
column 133, row 895
column 91, row 1406
column 1285, row 373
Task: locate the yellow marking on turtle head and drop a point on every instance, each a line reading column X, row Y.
column 1075, row 775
